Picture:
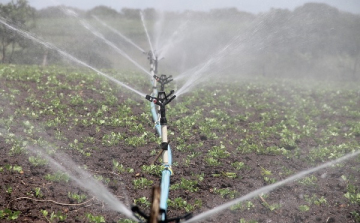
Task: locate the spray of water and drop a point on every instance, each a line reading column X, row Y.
column 174, row 38
column 159, row 24
column 270, row 188
column 118, row 33
column 238, row 42
column 85, row 180
column 195, row 78
column 100, row 36
column 146, row 32
column 66, row 55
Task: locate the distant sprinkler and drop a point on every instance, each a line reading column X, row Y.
column 153, row 59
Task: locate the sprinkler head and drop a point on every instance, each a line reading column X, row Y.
column 163, row 80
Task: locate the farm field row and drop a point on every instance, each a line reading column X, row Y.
column 229, row 138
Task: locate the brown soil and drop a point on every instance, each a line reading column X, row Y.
column 55, row 198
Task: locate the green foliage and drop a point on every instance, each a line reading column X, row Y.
column 242, row 220
column 247, row 205
column 58, row 177
column 54, row 217
column 142, row 183
column 142, row 201
column 37, row 161
column 309, row 181
column 9, row 214
column 152, row 169
column 226, row 192
column 355, row 216
column 304, row 208
column 77, row 197
column 353, row 194
column 180, row 203
column 188, row 185
column 95, row 218
column 238, row 165
column 20, row 13
column 38, row 192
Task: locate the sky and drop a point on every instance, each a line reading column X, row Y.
column 253, row 6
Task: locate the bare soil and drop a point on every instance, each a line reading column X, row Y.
column 54, row 197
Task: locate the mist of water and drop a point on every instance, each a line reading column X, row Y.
column 68, row 56
column 216, row 63
column 195, row 77
column 270, row 188
column 109, row 43
column 118, row 33
column 174, row 38
column 85, row 180
column 146, row 32
column 158, row 27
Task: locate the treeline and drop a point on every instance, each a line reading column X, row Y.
column 314, row 40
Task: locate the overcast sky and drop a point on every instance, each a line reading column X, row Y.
column 253, row 6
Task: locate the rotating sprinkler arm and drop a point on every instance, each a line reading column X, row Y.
column 163, row 80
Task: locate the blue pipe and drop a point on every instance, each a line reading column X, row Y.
column 165, row 185
column 167, row 172
column 156, row 121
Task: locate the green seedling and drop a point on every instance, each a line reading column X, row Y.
column 225, row 174
column 242, row 220
column 179, row 203
column 77, row 197
column 308, row 181
column 188, row 185
column 152, row 169
column 353, row 194
column 238, row 165
column 142, row 183
column 58, row 177
column 37, row 161
column 304, row 208
column 38, row 192
column 142, row 201
column 95, row 218
column 225, row 192
column 9, row 214
column 247, row 205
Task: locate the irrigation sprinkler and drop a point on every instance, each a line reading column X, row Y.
column 158, row 212
column 163, row 80
column 153, row 59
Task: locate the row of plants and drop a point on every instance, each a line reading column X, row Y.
column 306, row 123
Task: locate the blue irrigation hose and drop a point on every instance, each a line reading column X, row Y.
column 167, row 172
column 156, row 121
column 165, row 185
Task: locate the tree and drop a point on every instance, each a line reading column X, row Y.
column 19, row 14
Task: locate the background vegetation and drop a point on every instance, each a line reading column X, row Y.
column 314, row 40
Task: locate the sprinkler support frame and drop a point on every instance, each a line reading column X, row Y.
column 161, row 99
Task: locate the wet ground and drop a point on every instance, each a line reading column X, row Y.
column 201, row 185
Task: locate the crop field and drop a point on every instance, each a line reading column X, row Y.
column 229, row 138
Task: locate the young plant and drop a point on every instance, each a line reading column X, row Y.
column 142, row 183
column 9, row 214
column 58, row 177
column 304, row 208
column 77, row 197
column 142, row 201
column 37, row 161
column 38, row 192
column 95, row 218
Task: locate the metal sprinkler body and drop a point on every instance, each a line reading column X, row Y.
column 153, row 60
